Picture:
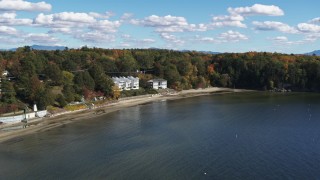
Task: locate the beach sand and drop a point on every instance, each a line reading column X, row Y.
column 41, row 125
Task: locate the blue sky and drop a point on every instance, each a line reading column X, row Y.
column 288, row 26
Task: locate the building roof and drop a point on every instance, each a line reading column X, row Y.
column 157, row 80
column 125, row 79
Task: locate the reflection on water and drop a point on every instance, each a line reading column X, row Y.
column 232, row 136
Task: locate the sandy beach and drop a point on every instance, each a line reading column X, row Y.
column 14, row 132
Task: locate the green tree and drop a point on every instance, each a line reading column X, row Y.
column 8, row 93
column 44, row 98
column 171, row 74
column 69, row 93
column 184, row 67
column 67, row 77
column 61, row 100
column 128, row 64
column 225, row 80
column 54, row 73
column 103, row 82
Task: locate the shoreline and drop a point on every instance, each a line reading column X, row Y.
column 45, row 124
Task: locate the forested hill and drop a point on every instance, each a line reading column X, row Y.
column 58, row 77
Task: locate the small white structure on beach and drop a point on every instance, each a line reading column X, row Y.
column 5, row 73
column 158, row 83
column 126, row 83
column 35, row 108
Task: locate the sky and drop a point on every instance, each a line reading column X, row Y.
column 286, row 26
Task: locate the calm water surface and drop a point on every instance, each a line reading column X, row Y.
column 231, row 136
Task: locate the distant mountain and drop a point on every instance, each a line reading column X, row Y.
column 210, row 52
column 316, row 52
column 48, row 48
column 205, row 52
column 40, row 47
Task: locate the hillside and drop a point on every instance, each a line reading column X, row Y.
column 41, row 47
column 57, row 78
column 316, row 52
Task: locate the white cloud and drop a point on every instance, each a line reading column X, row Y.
column 126, row 36
column 73, row 17
column 125, row 45
column 315, row 20
column 147, row 40
column 312, row 37
column 106, row 26
column 206, row 39
column 283, row 40
column 223, row 21
column 21, row 5
column 257, row 9
column 128, row 39
column 7, row 40
column 95, row 37
column 5, row 30
column 10, row 19
column 226, row 37
column 41, row 38
column 105, row 15
column 126, row 16
column 234, row 17
column 274, row 26
column 168, row 24
column 8, row 15
column 43, row 19
column 308, row 28
column 232, row 36
column 71, row 23
column 61, row 30
column 171, row 39
column 280, row 39
column 164, row 21
column 227, row 24
column 64, row 19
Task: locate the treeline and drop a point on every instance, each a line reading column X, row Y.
column 60, row 77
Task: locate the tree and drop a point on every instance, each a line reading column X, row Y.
column 27, row 68
column 44, row 98
column 61, row 100
column 270, row 84
column 34, row 88
column 144, row 59
column 8, row 92
column 158, row 70
column 171, row 74
column 225, row 80
column 69, row 65
column 69, row 93
column 67, row 77
column 200, row 64
column 214, row 79
column 127, row 63
column 103, row 82
column 184, row 67
column 88, row 80
column 116, row 92
column 54, row 73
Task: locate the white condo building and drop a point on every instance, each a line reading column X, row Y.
column 158, row 83
column 126, row 83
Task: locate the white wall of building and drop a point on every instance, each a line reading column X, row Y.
column 126, row 83
column 158, row 83
column 19, row 118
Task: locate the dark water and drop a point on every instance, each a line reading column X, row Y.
column 231, row 136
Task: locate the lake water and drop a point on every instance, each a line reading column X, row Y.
column 226, row 136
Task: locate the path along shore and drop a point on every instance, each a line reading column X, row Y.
column 15, row 132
